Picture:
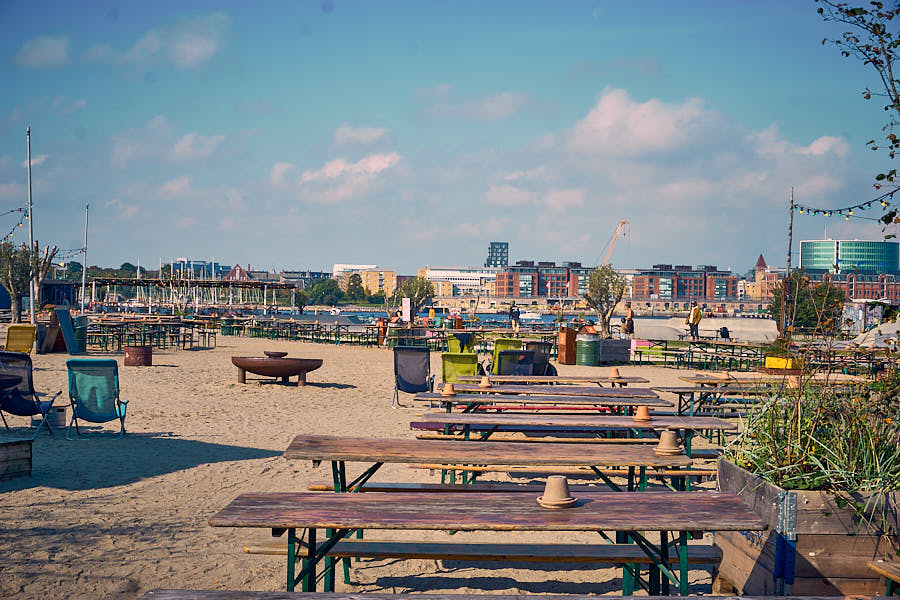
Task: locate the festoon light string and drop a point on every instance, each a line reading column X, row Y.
column 883, row 201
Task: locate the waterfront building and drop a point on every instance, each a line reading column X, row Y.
column 845, row 256
column 341, row 267
column 498, row 255
column 373, row 280
column 683, row 282
column 186, row 268
column 465, row 280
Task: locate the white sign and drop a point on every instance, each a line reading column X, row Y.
column 406, row 307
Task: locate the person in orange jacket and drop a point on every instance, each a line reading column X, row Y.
column 693, row 320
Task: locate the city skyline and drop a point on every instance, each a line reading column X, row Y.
column 409, row 133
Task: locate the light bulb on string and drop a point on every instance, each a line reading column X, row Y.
column 850, row 212
column 847, row 218
column 801, row 210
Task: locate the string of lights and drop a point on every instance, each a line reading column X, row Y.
column 22, row 220
column 883, row 201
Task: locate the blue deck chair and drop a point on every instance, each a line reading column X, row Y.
column 94, row 393
column 515, row 362
column 22, row 400
column 412, row 372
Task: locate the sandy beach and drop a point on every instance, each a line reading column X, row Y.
column 103, row 518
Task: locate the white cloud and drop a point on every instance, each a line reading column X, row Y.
column 44, row 52
column 827, row 144
column 36, row 160
column 188, row 44
column 194, row 146
column 490, row 107
column 122, row 211
column 508, row 195
column 346, row 134
column 619, row 126
column 564, row 199
column 279, row 172
column 541, row 173
column 176, row 187
column 12, row 191
column 150, row 140
column 340, row 180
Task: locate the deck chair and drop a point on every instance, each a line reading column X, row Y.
column 412, row 372
column 501, row 344
column 515, row 362
column 22, row 400
column 461, row 342
column 94, row 393
column 456, row 364
column 20, row 338
column 542, row 364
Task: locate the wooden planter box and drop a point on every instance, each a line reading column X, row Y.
column 15, row 459
column 614, row 352
column 812, row 547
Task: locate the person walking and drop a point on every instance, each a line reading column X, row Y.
column 514, row 316
column 693, row 320
column 628, row 329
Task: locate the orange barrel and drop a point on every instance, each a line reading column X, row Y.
column 138, row 356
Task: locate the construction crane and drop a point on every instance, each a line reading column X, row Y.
column 612, row 242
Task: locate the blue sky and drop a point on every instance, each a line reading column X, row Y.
column 299, row 134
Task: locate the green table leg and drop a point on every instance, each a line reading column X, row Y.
column 682, row 563
column 291, row 557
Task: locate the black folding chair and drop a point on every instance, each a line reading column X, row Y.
column 412, row 372
column 542, row 364
column 515, row 362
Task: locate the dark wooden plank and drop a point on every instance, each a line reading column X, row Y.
column 356, row 449
column 721, row 390
column 559, row 390
column 497, row 486
column 554, row 379
column 241, row 595
column 595, row 511
column 583, row 421
column 560, row 400
column 578, row 553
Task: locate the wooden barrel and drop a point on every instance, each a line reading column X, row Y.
column 138, row 356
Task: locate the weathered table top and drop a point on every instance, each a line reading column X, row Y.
column 554, row 379
column 597, row 421
column 558, row 390
column 725, row 389
column 618, row 400
column 500, row 511
column 762, row 378
column 381, row 450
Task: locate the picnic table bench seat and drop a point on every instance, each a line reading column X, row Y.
column 573, row 471
column 479, row 551
column 891, row 573
column 246, row 595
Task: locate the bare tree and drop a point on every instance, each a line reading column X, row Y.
column 42, row 263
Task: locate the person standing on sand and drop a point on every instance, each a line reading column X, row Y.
column 514, row 316
column 628, row 329
column 693, row 320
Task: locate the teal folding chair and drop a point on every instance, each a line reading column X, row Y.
column 94, row 393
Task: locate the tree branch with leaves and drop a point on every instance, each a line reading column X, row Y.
column 16, row 271
column 604, row 291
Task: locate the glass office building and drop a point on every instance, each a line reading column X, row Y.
column 846, row 256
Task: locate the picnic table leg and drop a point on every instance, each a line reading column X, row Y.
column 242, row 375
column 309, row 581
column 291, row 557
column 664, row 549
column 682, row 563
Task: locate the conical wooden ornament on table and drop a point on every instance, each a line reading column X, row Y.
column 668, row 444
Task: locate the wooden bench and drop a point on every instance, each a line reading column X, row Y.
column 246, row 595
column 501, row 437
column 891, row 573
column 565, row 471
column 494, row 486
column 617, row 554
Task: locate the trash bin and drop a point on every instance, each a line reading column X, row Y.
column 138, row 356
column 587, row 349
column 80, row 340
column 566, row 346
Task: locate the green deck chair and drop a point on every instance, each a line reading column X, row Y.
column 461, row 342
column 501, row 344
column 456, row 364
column 94, row 392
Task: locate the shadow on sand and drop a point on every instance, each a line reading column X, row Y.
column 100, row 460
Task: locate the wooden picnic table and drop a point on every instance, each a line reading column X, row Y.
column 546, row 379
column 489, row 423
column 629, row 513
column 557, row 390
column 497, row 401
column 243, row 595
column 340, row 450
column 692, row 398
column 764, row 378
